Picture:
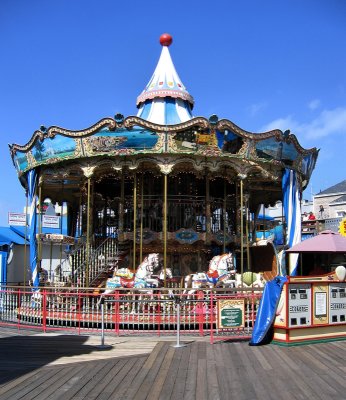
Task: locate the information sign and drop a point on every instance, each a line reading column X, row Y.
column 16, row 219
column 50, row 221
column 320, row 304
column 231, row 313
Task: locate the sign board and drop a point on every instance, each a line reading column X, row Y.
column 342, row 227
column 320, row 304
column 55, row 238
column 231, row 313
column 51, row 221
column 16, row 219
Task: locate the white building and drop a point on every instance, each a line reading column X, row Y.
column 331, row 202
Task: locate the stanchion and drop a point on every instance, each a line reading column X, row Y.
column 103, row 346
column 177, row 301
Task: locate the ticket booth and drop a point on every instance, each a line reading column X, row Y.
column 310, row 309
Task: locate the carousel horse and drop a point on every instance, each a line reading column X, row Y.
column 141, row 279
column 220, row 272
column 145, row 296
column 36, row 298
column 160, row 275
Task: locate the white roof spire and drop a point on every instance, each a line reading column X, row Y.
column 165, row 99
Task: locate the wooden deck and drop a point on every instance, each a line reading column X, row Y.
column 59, row 366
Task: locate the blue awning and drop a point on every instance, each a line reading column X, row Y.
column 264, row 217
column 9, row 235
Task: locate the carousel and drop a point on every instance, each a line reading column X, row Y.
column 163, row 182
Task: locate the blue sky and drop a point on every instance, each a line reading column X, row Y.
column 262, row 64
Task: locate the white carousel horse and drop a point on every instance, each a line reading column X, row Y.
column 142, row 287
column 36, row 298
column 143, row 294
column 221, row 269
column 141, row 279
column 161, row 274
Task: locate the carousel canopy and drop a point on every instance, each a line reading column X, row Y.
column 163, row 131
column 165, row 99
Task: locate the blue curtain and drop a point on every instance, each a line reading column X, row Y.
column 32, row 185
column 3, row 267
column 261, row 333
column 292, row 211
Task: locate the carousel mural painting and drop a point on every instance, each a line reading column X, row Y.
column 162, row 182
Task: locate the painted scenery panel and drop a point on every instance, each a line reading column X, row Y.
column 271, row 149
column 57, row 147
column 289, row 152
column 193, row 140
column 136, row 138
column 139, row 139
column 20, row 161
column 229, row 142
column 308, row 164
column 186, row 140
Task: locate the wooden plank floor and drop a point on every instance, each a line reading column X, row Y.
column 66, row 367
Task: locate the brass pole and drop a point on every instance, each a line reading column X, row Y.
column 134, row 219
column 88, row 235
column 165, row 228
column 207, row 210
column 80, row 218
column 247, row 235
column 51, row 250
column 224, row 215
column 141, row 230
column 241, row 232
column 121, row 204
column 50, row 260
column 61, row 216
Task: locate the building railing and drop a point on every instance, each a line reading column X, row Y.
column 310, row 228
column 332, row 224
column 313, row 227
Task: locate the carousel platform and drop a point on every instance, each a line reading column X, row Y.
column 55, row 366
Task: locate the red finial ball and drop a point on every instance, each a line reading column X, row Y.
column 166, row 39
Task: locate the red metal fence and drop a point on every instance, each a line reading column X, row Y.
column 220, row 314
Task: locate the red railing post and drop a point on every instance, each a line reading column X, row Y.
column 18, row 314
column 253, row 298
column 78, row 306
column 117, row 312
column 200, row 311
column 158, row 308
column 44, row 311
column 211, row 311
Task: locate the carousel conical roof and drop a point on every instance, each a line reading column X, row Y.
column 165, row 99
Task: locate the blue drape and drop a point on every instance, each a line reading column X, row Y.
column 3, row 267
column 291, row 203
column 32, row 184
column 266, row 311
